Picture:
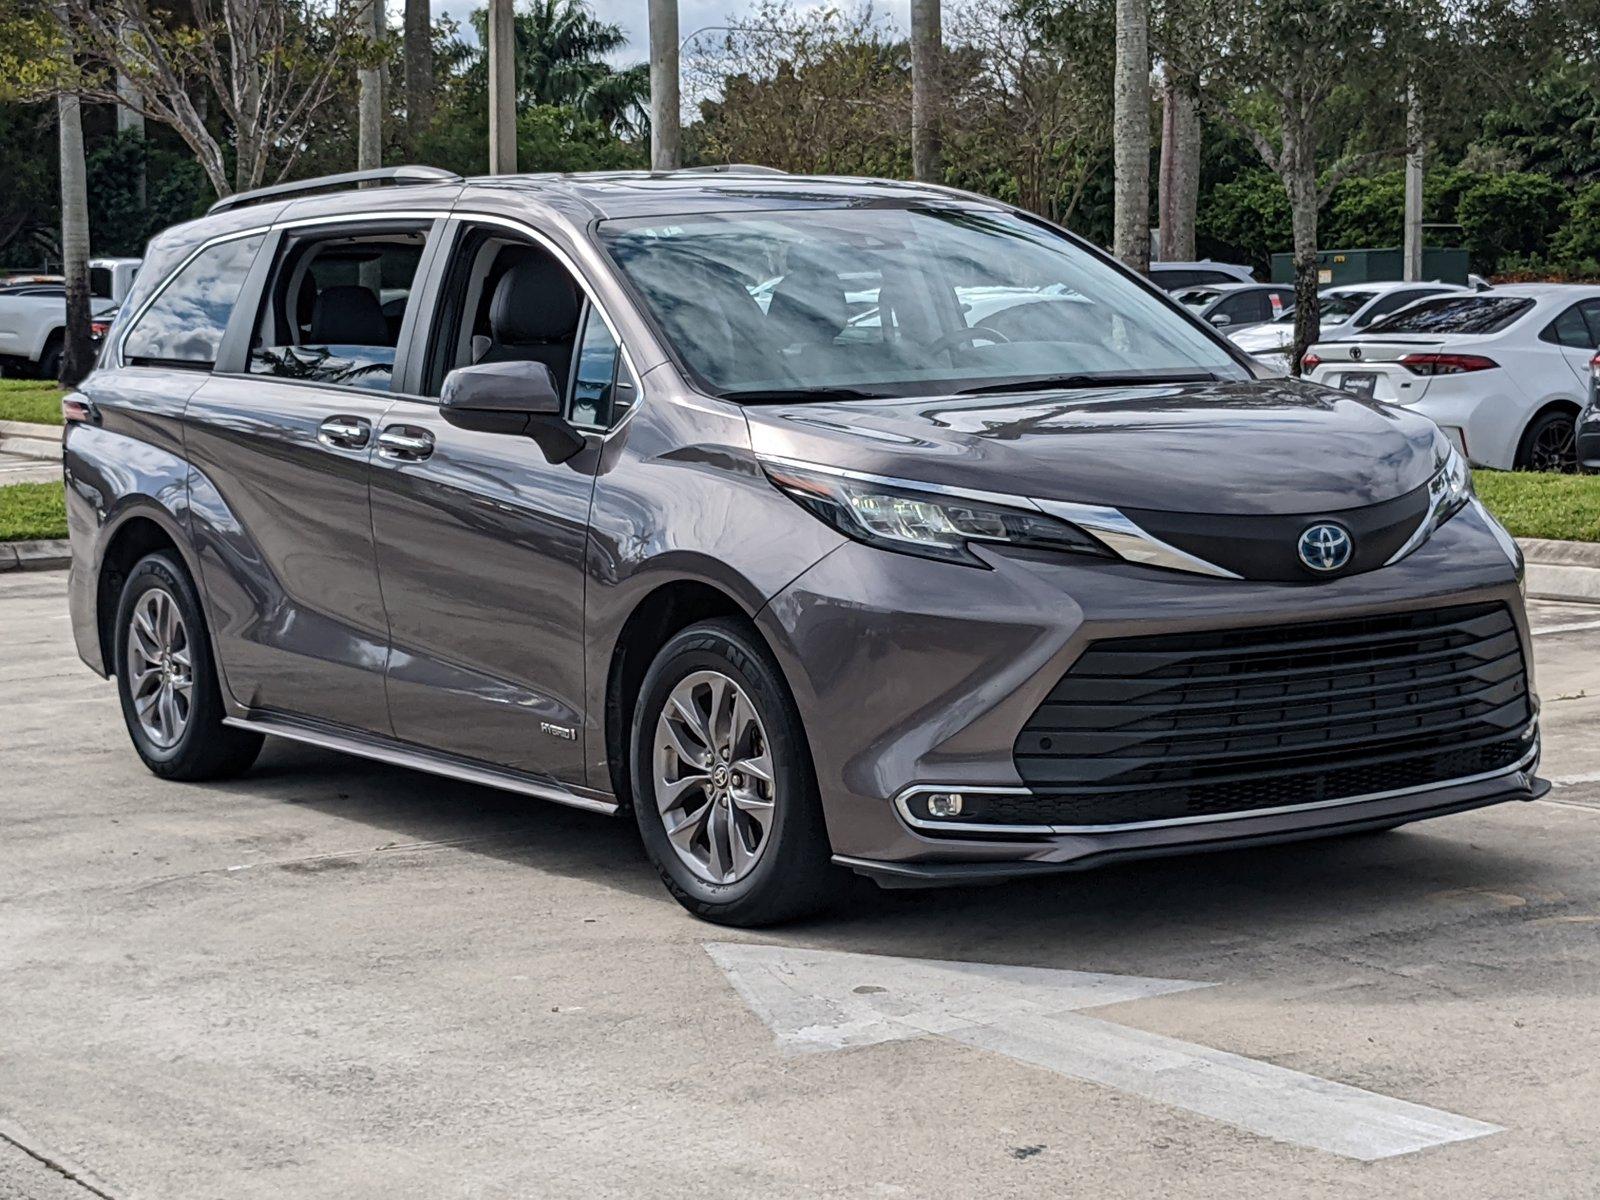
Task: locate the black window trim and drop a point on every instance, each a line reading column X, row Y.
column 439, row 265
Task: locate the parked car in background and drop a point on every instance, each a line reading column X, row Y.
column 1344, row 310
column 1232, row 306
column 33, row 316
column 1504, row 373
column 1029, row 575
column 1174, row 275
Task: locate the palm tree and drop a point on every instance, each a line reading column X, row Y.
column 561, row 49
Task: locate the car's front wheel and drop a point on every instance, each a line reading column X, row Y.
column 167, row 679
column 722, row 781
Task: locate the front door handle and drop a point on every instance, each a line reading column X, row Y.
column 406, row 443
column 345, row 433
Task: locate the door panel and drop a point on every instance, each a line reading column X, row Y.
column 279, row 493
column 480, row 548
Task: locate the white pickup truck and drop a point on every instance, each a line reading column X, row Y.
column 33, row 316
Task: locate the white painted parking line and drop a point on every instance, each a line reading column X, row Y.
column 821, row 1000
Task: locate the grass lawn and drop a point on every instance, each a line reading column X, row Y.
column 29, row 511
column 36, row 400
column 1535, row 505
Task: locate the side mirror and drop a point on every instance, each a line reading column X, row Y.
column 510, row 397
column 1221, row 319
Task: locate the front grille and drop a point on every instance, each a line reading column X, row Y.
column 1229, row 721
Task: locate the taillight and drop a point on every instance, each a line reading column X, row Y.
column 99, row 328
column 1594, row 364
column 1310, row 362
column 76, row 409
column 1446, row 364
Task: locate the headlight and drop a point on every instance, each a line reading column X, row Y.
column 1448, row 492
column 923, row 523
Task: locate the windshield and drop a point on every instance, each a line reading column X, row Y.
column 897, row 302
column 1455, row 314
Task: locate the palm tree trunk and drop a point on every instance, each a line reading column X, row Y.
column 665, row 151
column 77, row 352
column 418, row 49
column 369, row 145
column 1130, row 240
column 926, row 39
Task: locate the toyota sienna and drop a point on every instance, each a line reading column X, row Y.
column 821, row 524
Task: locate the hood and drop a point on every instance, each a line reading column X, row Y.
column 1266, row 447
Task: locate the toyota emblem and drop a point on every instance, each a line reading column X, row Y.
column 1325, row 547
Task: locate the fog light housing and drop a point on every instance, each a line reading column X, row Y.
column 945, row 804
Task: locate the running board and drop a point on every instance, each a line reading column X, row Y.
column 398, row 754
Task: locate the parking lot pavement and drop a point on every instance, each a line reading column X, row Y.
column 331, row 978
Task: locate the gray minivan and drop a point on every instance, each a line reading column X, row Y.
column 822, row 524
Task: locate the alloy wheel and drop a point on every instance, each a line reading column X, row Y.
column 160, row 668
column 1555, row 446
column 713, row 775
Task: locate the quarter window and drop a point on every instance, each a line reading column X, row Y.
column 334, row 309
column 1573, row 330
column 183, row 327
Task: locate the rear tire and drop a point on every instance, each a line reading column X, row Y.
column 50, row 360
column 718, row 755
column 1550, row 443
column 167, row 680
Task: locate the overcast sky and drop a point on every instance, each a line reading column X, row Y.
column 630, row 14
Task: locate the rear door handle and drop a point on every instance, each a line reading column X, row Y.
column 405, row 443
column 345, row 433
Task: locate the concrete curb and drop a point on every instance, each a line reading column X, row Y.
column 1562, row 570
column 28, row 440
column 50, row 555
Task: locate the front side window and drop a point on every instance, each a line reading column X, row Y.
column 898, row 302
column 183, row 326
column 1456, row 314
column 333, row 311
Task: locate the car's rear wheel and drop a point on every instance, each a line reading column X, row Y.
column 1550, row 443
column 50, row 360
column 167, row 680
column 722, row 781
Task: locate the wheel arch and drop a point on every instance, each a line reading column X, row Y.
column 655, row 619
column 137, row 534
column 1552, row 405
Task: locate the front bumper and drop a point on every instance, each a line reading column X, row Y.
column 913, row 675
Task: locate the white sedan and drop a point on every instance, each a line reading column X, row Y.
column 1503, row 373
column 1342, row 311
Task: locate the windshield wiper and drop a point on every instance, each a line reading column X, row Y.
column 782, row 395
column 1048, row 383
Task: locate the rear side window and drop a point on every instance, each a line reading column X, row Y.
column 1578, row 327
column 334, row 309
column 1456, row 314
column 183, row 326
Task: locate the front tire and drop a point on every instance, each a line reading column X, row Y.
column 723, row 788
column 167, row 679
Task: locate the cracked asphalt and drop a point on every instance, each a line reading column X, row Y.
column 333, row 978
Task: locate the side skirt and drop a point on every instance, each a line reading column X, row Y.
column 401, row 754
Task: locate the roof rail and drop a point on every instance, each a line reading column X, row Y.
column 730, row 169
column 395, row 176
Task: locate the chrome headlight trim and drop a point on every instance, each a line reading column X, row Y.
column 1126, row 540
column 1448, row 492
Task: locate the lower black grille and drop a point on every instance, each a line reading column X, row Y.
column 1228, row 721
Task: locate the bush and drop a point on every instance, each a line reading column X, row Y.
column 1245, row 220
column 1366, row 211
column 1510, row 215
column 1580, row 236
